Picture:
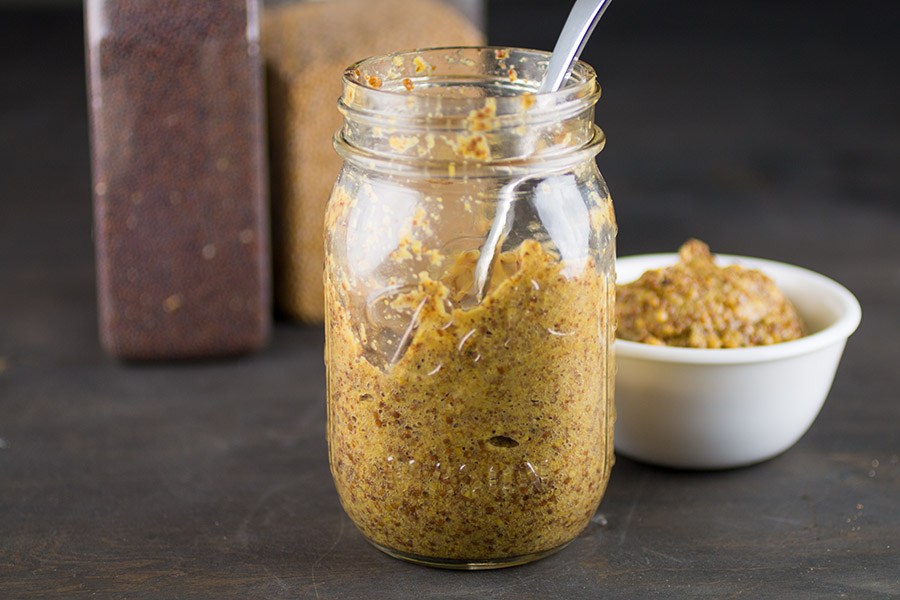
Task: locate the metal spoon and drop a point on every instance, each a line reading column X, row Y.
column 578, row 28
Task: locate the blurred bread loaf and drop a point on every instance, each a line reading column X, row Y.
column 306, row 46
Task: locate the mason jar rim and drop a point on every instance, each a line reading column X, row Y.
column 478, row 107
column 581, row 84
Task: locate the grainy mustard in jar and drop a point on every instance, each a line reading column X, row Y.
column 470, row 244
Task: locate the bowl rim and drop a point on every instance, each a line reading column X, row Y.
column 837, row 332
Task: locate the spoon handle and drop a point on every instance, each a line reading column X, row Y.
column 578, row 28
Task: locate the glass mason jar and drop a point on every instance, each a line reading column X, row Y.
column 470, row 246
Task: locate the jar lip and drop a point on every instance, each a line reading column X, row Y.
column 468, row 104
column 516, row 72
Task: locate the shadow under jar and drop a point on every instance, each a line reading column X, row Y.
column 470, row 246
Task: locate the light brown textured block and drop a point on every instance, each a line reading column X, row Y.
column 307, row 45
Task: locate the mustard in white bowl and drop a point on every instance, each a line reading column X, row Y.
column 701, row 408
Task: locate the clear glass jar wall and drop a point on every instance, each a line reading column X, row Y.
column 469, row 296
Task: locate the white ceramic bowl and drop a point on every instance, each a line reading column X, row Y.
column 719, row 408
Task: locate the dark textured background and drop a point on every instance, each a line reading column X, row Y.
column 765, row 128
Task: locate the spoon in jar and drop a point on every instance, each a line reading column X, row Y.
column 574, row 36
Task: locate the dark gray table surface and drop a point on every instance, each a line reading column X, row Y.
column 765, row 128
